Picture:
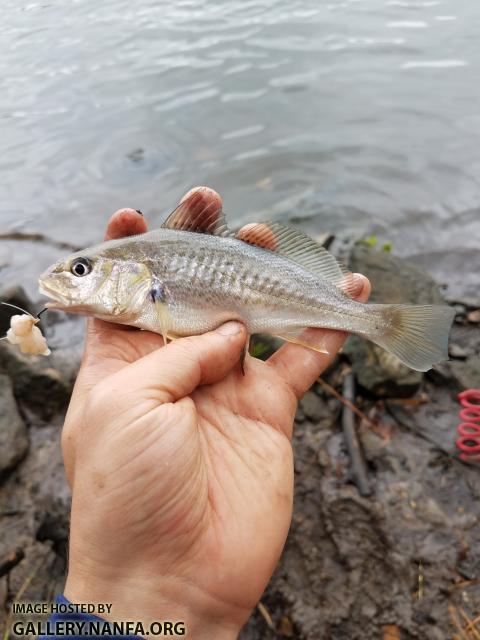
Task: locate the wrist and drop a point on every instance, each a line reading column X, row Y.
column 167, row 599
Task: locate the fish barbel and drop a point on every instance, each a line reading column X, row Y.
column 193, row 274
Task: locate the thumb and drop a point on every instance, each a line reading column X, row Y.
column 176, row 370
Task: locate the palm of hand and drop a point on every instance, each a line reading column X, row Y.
column 203, row 484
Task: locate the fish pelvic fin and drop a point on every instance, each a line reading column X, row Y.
column 417, row 335
column 306, row 337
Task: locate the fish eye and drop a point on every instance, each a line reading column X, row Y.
column 81, row 267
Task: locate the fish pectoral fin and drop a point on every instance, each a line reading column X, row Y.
column 306, row 337
column 159, row 295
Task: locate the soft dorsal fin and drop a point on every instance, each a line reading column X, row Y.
column 297, row 246
column 198, row 213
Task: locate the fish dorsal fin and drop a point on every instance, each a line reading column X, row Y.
column 300, row 248
column 198, row 213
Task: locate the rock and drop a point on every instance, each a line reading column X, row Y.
column 13, row 432
column 36, row 383
column 394, row 280
column 466, row 374
column 39, row 574
column 314, row 407
column 460, row 309
column 43, row 474
column 379, row 372
column 458, row 352
column 300, row 414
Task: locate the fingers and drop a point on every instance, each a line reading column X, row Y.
column 363, row 288
column 125, row 222
column 300, row 366
column 209, row 196
column 176, row 370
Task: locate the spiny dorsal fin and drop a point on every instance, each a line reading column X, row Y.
column 297, row 246
column 198, row 213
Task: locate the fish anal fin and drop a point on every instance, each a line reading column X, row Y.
column 306, row 337
column 199, row 212
column 300, row 248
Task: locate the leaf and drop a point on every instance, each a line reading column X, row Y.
column 259, row 349
column 370, row 241
column 387, row 247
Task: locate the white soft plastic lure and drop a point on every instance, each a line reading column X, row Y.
column 26, row 335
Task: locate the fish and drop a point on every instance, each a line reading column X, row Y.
column 194, row 273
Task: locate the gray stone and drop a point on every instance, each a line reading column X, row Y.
column 313, row 406
column 379, row 372
column 394, row 280
column 36, row 383
column 13, row 432
column 458, row 352
column 465, row 374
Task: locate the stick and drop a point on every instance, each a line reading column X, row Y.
column 266, row 616
column 346, row 402
column 357, row 462
column 10, row 561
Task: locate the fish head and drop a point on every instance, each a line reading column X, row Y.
column 90, row 283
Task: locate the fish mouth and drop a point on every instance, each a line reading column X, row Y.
column 57, row 300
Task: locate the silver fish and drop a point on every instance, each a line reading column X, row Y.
column 194, row 274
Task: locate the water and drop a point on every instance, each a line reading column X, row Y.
column 360, row 115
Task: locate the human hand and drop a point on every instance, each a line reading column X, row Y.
column 181, row 468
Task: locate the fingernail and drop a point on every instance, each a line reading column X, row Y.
column 229, row 328
column 138, row 211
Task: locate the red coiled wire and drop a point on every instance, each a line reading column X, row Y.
column 469, row 429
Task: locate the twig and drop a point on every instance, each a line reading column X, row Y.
column 473, row 623
column 266, row 616
column 357, row 461
column 10, row 561
column 456, row 622
column 346, row 402
column 421, row 580
column 470, row 628
column 463, row 584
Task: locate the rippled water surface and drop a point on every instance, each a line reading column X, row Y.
column 361, row 115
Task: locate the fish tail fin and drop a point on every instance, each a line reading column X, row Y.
column 417, row 335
